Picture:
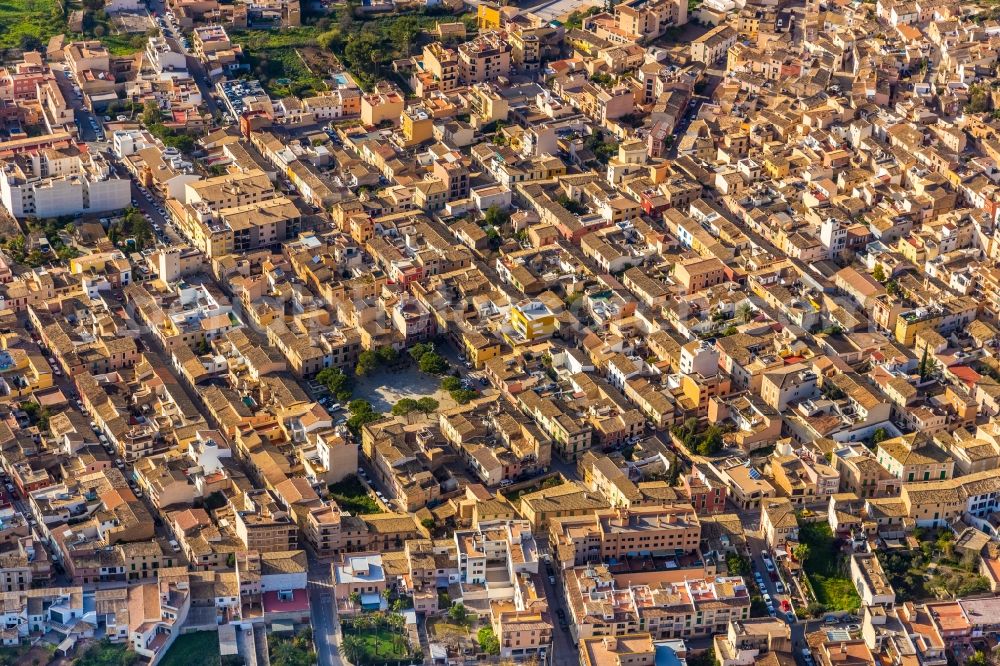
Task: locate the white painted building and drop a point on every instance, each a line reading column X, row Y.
column 54, row 182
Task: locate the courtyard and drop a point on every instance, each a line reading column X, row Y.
column 385, row 387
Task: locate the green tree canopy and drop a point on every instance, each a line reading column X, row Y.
column 488, row 641
column 418, row 350
column 336, row 381
column 496, row 216
column 433, row 363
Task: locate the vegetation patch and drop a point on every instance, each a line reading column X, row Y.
column 28, row 24
column 366, row 46
column 377, row 638
column 106, row 653
column 291, row 651
column 13, row 655
column 351, row 495
column 826, row 567
column 275, row 59
column 198, row 649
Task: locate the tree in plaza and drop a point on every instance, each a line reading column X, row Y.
column 418, row 350
column 404, row 406
column 367, row 363
column 387, row 355
column 362, row 412
column 433, row 363
column 427, row 405
column 336, row 381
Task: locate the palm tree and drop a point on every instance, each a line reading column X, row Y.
column 352, row 648
column 746, row 312
column 398, row 624
column 363, row 624
column 355, row 598
column 366, row 622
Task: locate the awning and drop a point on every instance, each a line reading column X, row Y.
column 371, row 600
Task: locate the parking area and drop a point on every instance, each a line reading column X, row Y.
column 768, row 578
column 171, row 29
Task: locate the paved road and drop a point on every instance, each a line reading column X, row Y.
column 172, row 35
column 167, row 232
column 757, row 547
column 326, row 625
column 564, row 649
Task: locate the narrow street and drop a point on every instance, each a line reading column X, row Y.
column 194, row 65
column 246, row 646
column 325, row 623
column 260, row 646
column 564, row 648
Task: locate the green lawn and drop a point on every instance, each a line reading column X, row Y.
column 826, row 568
column 123, row 44
column 22, row 21
column 198, row 649
column 385, row 645
column 352, row 496
column 378, row 646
